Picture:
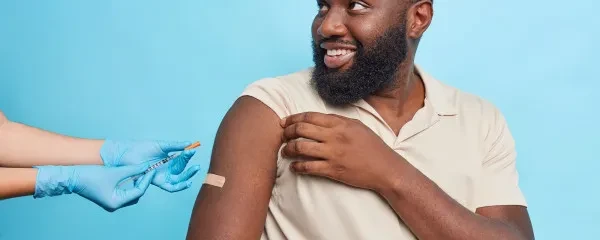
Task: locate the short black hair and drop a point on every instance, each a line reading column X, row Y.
column 415, row 1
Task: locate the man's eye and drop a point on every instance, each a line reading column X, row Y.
column 322, row 6
column 357, row 6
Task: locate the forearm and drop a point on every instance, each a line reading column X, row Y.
column 431, row 214
column 25, row 146
column 17, row 182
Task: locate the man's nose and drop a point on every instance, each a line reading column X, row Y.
column 333, row 25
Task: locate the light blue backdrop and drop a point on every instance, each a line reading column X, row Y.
column 170, row 70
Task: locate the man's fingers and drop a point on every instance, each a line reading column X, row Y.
column 305, row 130
column 303, row 148
column 318, row 168
column 315, row 118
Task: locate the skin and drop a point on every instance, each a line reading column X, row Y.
column 18, row 139
column 238, row 210
column 17, row 182
column 372, row 68
column 399, row 102
column 16, row 157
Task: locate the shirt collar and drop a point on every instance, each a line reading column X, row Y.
column 441, row 96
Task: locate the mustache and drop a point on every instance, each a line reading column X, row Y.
column 338, row 40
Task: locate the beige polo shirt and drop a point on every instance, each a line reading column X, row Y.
column 459, row 140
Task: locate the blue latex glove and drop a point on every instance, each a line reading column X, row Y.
column 98, row 184
column 170, row 176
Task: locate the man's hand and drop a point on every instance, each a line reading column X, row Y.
column 346, row 150
column 169, row 177
column 338, row 148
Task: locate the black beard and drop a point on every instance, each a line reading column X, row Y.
column 373, row 68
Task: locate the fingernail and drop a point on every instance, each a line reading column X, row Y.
column 282, row 121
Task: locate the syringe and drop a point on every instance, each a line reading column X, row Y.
column 161, row 162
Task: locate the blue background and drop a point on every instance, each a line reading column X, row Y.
column 174, row 68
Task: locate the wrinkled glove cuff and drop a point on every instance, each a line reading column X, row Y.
column 109, row 153
column 53, row 181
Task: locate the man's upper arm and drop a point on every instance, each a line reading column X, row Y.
column 499, row 196
column 245, row 153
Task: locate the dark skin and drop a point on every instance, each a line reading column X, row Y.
column 338, row 151
column 249, row 163
column 239, row 209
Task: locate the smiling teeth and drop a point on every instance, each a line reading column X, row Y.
column 338, row 52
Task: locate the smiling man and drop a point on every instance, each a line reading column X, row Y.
column 365, row 145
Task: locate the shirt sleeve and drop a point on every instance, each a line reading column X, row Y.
column 499, row 182
column 271, row 92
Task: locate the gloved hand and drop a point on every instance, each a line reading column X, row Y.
column 170, row 176
column 98, row 184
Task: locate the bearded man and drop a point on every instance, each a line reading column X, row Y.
column 364, row 145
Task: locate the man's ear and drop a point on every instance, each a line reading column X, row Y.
column 419, row 18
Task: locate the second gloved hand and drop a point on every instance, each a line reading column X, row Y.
column 170, row 176
column 98, row 184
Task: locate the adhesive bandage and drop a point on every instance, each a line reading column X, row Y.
column 215, row 180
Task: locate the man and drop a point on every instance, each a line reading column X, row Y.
column 369, row 146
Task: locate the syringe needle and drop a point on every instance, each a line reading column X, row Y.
column 161, row 162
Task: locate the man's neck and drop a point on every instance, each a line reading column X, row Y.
column 398, row 103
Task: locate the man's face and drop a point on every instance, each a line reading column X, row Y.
column 357, row 47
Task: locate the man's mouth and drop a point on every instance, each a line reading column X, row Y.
column 336, row 58
column 338, row 55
